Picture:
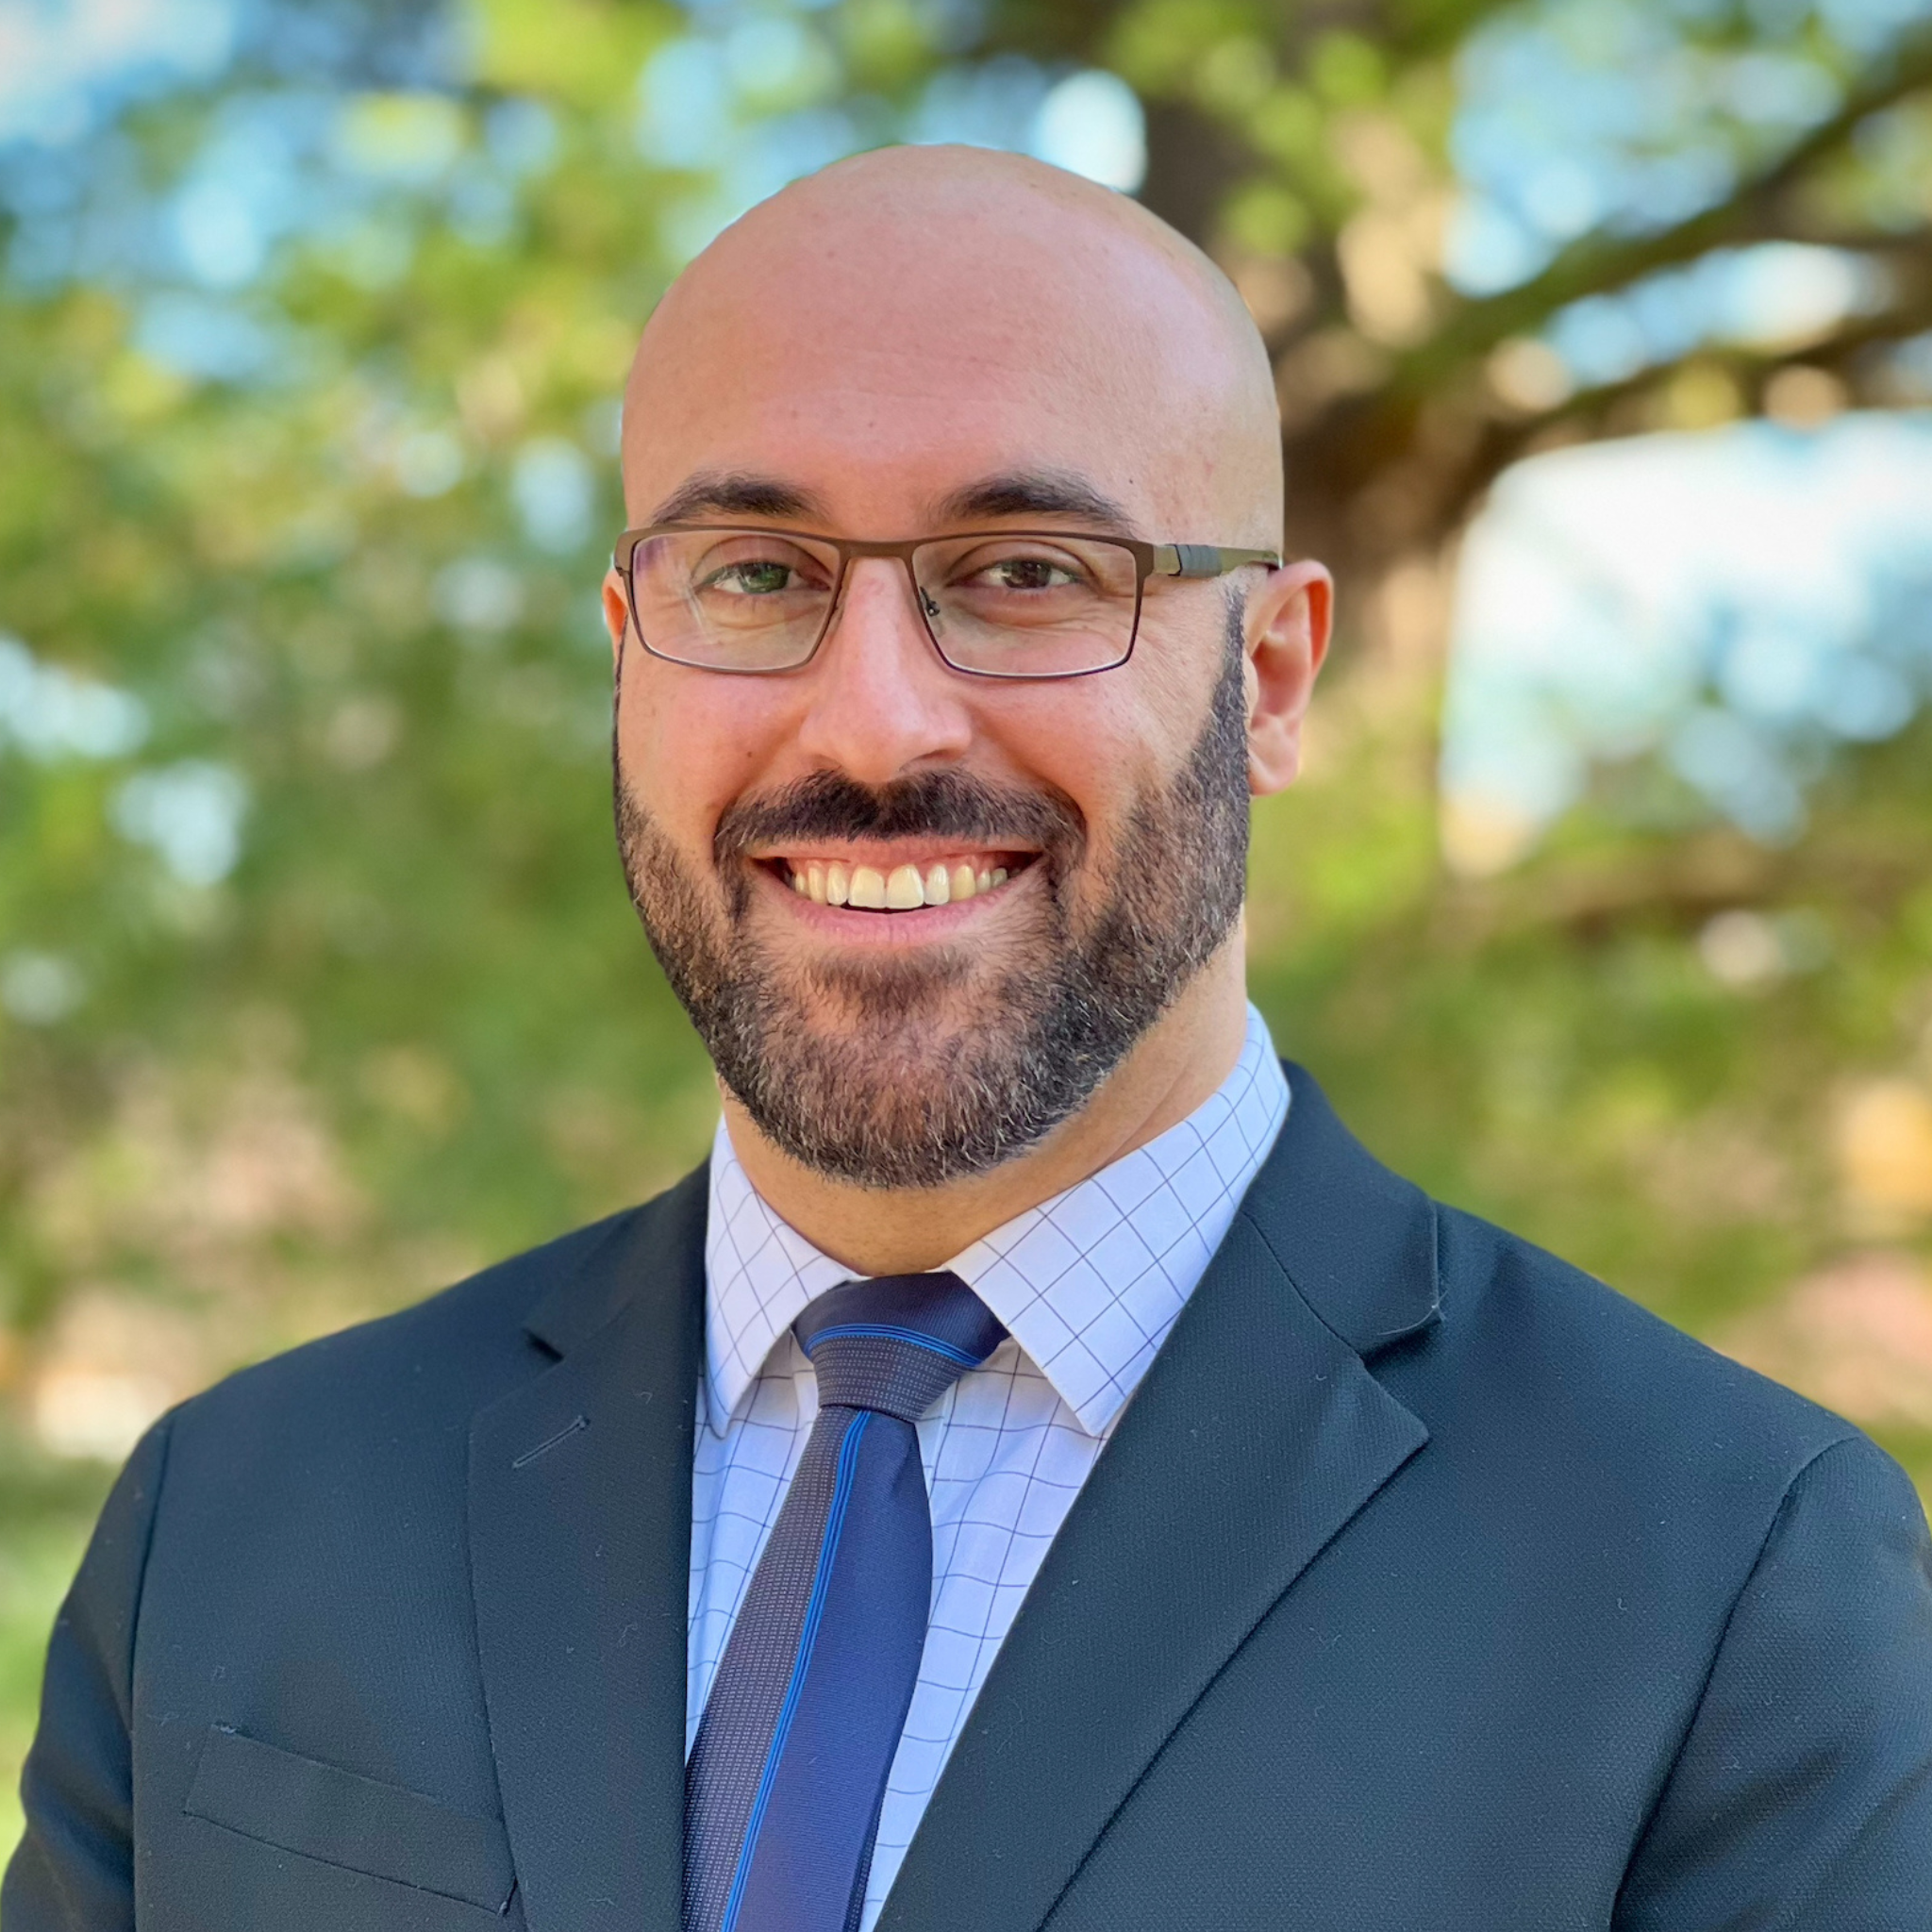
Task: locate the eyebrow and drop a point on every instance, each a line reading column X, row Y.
column 738, row 493
column 1009, row 493
column 1036, row 492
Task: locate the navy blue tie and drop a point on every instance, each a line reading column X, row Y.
column 782, row 1793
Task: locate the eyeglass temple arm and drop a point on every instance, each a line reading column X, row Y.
column 1206, row 560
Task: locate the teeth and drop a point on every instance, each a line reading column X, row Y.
column 832, row 882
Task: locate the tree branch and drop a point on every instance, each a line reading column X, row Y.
column 1895, row 324
column 1505, row 443
column 1599, row 263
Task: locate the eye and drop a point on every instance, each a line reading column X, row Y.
column 753, row 576
column 1028, row 573
column 1019, row 573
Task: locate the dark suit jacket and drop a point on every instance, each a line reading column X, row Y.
column 1427, row 1586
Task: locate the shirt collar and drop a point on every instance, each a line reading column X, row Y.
column 1088, row 1283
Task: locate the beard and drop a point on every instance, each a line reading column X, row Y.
column 946, row 1065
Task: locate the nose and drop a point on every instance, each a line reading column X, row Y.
column 881, row 701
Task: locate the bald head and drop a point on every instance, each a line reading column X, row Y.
column 879, row 336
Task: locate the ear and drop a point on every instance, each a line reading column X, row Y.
column 616, row 615
column 1287, row 627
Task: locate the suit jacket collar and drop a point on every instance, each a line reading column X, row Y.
column 1357, row 1242
column 649, row 1251
column 1256, row 1435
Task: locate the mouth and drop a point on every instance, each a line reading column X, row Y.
column 892, row 883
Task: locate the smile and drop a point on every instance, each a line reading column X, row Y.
column 943, row 880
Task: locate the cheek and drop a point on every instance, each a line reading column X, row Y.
column 690, row 744
column 1107, row 743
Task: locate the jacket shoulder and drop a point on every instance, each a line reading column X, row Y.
column 1598, row 1367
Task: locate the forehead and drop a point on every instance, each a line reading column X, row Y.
column 880, row 365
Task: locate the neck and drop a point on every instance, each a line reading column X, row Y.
column 1175, row 1067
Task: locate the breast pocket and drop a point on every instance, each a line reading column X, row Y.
column 358, row 1824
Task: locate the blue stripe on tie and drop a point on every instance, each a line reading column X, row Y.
column 915, row 1336
column 814, row 1610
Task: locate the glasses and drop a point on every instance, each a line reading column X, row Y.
column 995, row 602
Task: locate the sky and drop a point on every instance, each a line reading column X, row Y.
column 1731, row 601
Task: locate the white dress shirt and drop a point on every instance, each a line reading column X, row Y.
column 1088, row 1285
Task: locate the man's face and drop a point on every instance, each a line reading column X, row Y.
column 1091, row 832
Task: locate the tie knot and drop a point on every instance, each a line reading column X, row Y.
column 897, row 1343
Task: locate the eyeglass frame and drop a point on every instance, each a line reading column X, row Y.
column 1195, row 562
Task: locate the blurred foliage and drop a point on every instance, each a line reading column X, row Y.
column 318, row 984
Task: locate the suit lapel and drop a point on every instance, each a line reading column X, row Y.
column 579, row 1551
column 1256, row 1435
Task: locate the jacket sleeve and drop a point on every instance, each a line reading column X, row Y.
column 74, row 1871
column 1801, row 1796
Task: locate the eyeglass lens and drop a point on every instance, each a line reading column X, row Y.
column 1001, row 604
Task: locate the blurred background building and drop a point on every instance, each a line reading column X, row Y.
column 1604, row 334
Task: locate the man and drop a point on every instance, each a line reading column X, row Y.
column 1042, row 1470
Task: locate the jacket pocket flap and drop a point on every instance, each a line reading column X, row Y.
column 344, row 1819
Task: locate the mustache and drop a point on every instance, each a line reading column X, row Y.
column 940, row 804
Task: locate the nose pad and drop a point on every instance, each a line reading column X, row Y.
column 924, row 601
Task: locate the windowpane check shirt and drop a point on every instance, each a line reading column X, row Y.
column 1088, row 1285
